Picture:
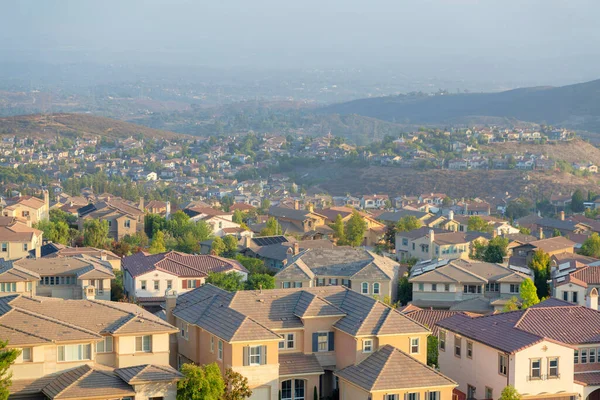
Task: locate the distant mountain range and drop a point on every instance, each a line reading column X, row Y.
column 577, row 106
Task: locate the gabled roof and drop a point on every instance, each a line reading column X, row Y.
column 148, row 373
column 389, row 369
column 83, row 267
column 179, row 264
column 430, row 317
column 14, row 273
column 469, row 271
column 552, row 244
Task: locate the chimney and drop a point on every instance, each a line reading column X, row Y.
column 431, row 239
column 289, row 255
column 296, row 204
column 168, row 212
column 311, row 207
column 89, row 292
column 494, row 233
column 562, row 215
column 46, row 199
column 451, row 215
column 296, row 248
column 170, row 304
column 540, row 233
column 247, row 241
column 592, row 299
column 103, row 255
column 141, row 205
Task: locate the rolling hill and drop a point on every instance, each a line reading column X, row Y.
column 51, row 125
column 577, row 106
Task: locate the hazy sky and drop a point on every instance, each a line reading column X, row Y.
column 467, row 36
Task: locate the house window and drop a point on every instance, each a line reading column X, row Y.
column 536, row 368
column 364, row 288
column 391, row 397
column 286, row 285
column 502, row 364
column 156, row 285
column 29, row 286
column 442, row 340
column 553, row 367
column 574, row 297
column 25, row 248
column 414, row 345
column 404, row 242
column 297, row 284
column 184, row 330
column 320, row 282
column 8, row 287
column 469, row 349
column 212, row 344
column 26, row 353
column 489, row 393
column 346, row 282
column 576, row 357
column 254, row 354
column 74, row 352
column 127, row 223
column 367, row 345
column 434, row 395
column 412, row 396
column 282, row 345
column 421, row 287
column 143, row 344
column 592, row 355
column 471, row 289
column 109, row 224
column 333, row 281
column 169, row 284
column 105, row 346
column 376, row 288
column 413, row 246
column 322, row 341
column 447, row 287
column 457, row 345
column 491, row 287
column 434, row 287
column 286, row 390
column 566, row 296
column 514, row 288
column 583, row 354
column 143, row 285
column 290, row 341
column 220, row 350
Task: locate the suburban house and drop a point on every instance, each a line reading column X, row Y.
column 357, row 269
column 547, row 227
column 549, row 350
column 28, row 209
column 17, row 240
column 86, row 349
column 374, row 201
column 274, row 251
column 375, row 229
column 300, row 222
column 392, row 217
column 69, row 277
column 220, row 221
column 122, row 218
column 54, row 250
column 429, row 243
column 429, row 317
column 579, row 286
column 16, row 280
column 291, row 341
column 522, row 255
column 146, row 277
column 464, row 285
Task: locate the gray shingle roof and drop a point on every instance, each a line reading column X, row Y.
column 299, row 364
column 148, row 373
column 391, row 369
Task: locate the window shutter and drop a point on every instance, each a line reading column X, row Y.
column 315, row 342
column 198, row 283
column 246, row 356
column 184, row 284
column 263, row 356
column 330, row 340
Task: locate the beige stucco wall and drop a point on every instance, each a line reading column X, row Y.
column 313, row 325
column 349, row 391
column 126, row 356
column 15, row 249
column 22, row 289
column 166, row 390
column 402, row 342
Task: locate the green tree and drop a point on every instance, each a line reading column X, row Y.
column 528, row 293
column 188, row 243
column 238, row 217
column 254, row 265
column 525, row 231
column 478, row 250
column 158, row 243
column 478, row 224
column 496, row 250
column 231, row 245
column 432, row 350
column 56, row 232
column 231, row 282
column 404, row 291
column 509, row 393
column 265, row 204
column 518, row 208
column 7, row 358
column 591, row 246
column 540, row 265
column 154, row 223
column 556, row 233
column 200, row 383
column 511, row 305
column 272, row 228
column 116, row 286
column 355, row 229
column 218, row 246
column 338, row 230
column 95, row 234
column 408, row 223
column 236, row 386
column 577, row 200
column 258, row 281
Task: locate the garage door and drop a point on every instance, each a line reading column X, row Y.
column 261, row 393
